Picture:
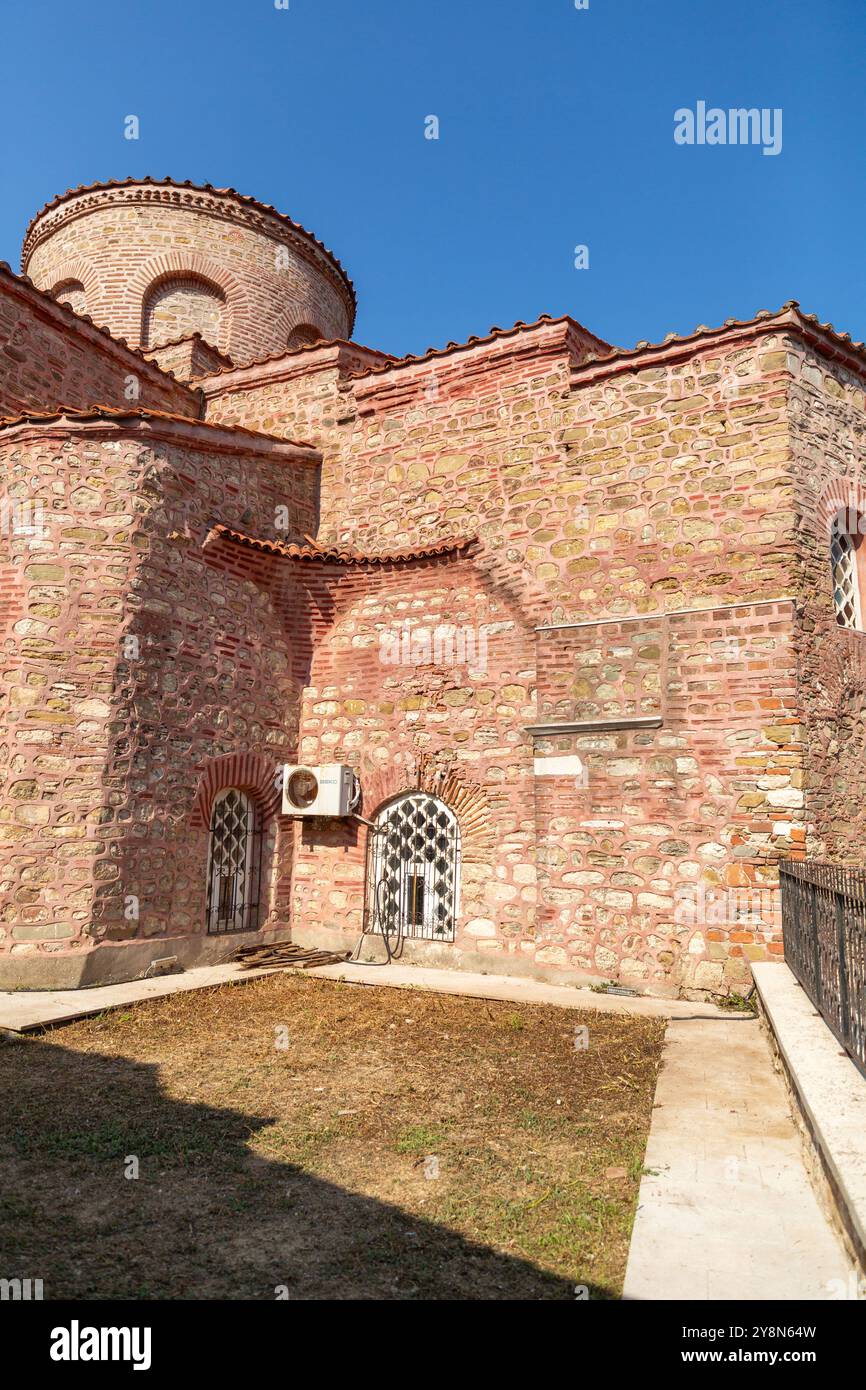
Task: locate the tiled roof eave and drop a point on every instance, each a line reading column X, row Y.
column 286, row 550
column 291, row 355
column 191, row 338
column 235, row 438
column 495, row 335
column 789, row 317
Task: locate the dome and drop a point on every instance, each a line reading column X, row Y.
column 154, row 261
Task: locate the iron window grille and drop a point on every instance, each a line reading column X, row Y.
column 234, row 863
column 846, row 586
column 413, row 870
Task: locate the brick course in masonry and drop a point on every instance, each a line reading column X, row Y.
column 583, row 595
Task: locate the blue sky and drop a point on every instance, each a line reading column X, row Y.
column 556, row 129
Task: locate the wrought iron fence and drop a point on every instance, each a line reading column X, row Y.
column 824, row 928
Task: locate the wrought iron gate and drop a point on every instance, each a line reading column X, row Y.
column 235, row 863
column 413, row 870
column 824, row 928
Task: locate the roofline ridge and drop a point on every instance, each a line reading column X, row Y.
column 789, row 312
column 494, row 335
column 141, row 414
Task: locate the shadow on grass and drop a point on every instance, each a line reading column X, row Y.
column 206, row 1217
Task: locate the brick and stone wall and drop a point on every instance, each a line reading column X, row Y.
column 50, row 358
column 179, row 306
column 828, row 431
column 609, row 488
column 657, row 866
column 652, row 703
column 188, row 358
column 615, row 488
column 158, row 260
column 131, row 664
column 424, row 663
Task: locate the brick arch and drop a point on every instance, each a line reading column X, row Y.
column 249, row 772
column 181, row 284
column 839, row 494
column 77, row 269
column 166, row 266
column 438, row 776
column 844, row 500
column 304, row 334
column 292, row 317
column 72, row 294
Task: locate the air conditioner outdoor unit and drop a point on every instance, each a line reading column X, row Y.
column 329, row 790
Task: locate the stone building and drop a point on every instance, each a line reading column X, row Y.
column 586, row 622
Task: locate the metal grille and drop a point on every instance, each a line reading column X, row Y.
column 846, row 590
column 413, row 870
column 234, row 869
column 824, row 928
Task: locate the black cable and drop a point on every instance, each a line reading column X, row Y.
column 380, row 925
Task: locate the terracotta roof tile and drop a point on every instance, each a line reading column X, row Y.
column 339, row 555
column 189, row 338
column 113, row 413
column 791, row 306
column 476, row 341
column 612, row 354
column 306, row 347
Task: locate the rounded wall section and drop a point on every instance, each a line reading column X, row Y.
column 162, row 260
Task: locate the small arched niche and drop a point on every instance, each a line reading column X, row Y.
column 178, row 306
column 302, row 335
column 71, row 292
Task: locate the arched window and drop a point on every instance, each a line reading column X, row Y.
column 848, row 564
column 180, row 305
column 71, row 292
column 234, row 863
column 303, row 334
column 413, row 869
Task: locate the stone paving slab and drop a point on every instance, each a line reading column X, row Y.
column 21, row 1010
column 726, row 1209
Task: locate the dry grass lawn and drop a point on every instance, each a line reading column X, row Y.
column 330, row 1140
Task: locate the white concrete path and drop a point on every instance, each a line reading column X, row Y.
column 21, row 1010
column 726, row 1209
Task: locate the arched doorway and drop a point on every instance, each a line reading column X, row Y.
column 413, row 869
